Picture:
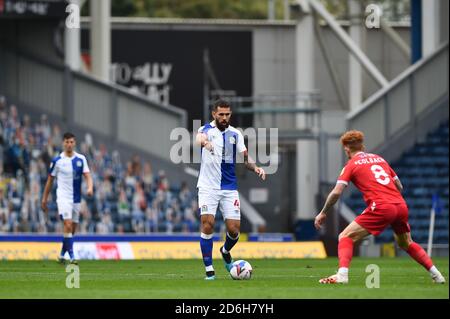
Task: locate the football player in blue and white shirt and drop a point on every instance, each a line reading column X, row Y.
column 68, row 168
column 217, row 184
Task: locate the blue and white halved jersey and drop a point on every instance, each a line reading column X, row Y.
column 69, row 173
column 217, row 170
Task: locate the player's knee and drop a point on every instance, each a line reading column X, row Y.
column 234, row 232
column 350, row 235
column 67, row 227
column 404, row 243
column 207, row 227
column 342, row 236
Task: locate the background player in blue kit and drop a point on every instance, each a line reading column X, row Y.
column 68, row 169
column 217, row 184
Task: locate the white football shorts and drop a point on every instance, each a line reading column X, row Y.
column 226, row 200
column 69, row 210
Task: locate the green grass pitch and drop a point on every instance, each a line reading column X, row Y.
column 272, row 278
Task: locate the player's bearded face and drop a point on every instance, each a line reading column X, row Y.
column 222, row 117
column 69, row 144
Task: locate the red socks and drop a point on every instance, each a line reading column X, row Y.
column 345, row 252
column 419, row 255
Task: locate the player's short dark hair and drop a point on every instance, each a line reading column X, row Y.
column 68, row 135
column 221, row 103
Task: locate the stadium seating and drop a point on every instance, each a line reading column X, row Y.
column 129, row 197
column 423, row 171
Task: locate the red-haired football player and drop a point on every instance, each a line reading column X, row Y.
column 381, row 189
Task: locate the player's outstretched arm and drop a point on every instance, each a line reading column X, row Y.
column 48, row 187
column 90, row 184
column 251, row 166
column 332, row 198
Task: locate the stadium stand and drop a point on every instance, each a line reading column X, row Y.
column 423, row 171
column 129, row 197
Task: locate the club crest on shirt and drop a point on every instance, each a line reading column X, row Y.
column 204, row 208
column 79, row 163
column 232, row 140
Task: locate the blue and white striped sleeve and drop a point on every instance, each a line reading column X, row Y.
column 240, row 143
column 85, row 165
column 53, row 170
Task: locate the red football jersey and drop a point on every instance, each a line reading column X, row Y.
column 373, row 176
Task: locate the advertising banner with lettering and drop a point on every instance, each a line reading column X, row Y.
column 156, row 250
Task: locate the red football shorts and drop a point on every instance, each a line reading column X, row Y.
column 377, row 217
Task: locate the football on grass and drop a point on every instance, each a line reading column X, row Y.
column 241, row 270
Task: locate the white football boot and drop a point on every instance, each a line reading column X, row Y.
column 438, row 279
column 335, row 279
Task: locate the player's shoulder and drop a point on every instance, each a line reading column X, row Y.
column 55, row 161
column 56, row 158
column 79, row 155
column 234, row 130
column 349, row 162
column 205, row 128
